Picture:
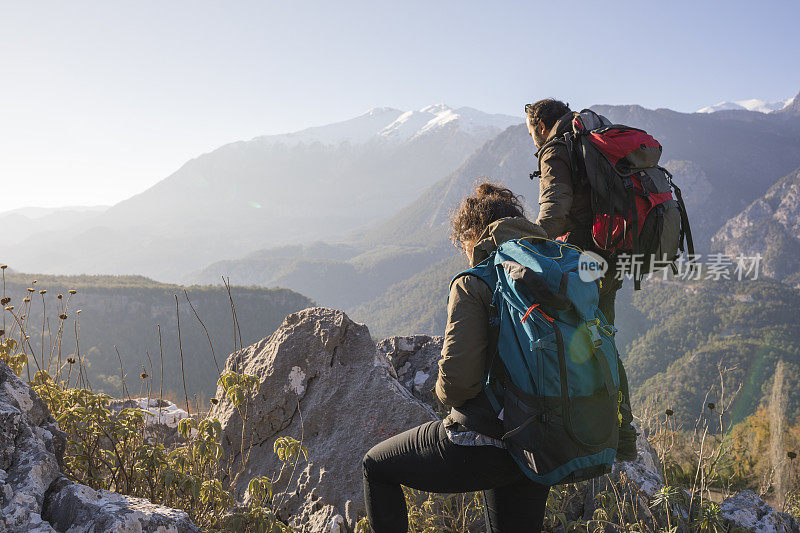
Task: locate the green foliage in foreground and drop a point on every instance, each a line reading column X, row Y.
column 117, row 452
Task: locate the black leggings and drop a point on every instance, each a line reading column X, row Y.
column 423, row 458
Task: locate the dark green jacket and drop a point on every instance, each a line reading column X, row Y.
column 564, row 206
column 469, row 342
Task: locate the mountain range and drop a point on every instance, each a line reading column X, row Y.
column 319, row 183
column 354, row 215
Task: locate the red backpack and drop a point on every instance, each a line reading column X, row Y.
column 634, row 209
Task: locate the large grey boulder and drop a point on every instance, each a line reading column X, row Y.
column 747, row 512
column 321, row 381
column 31, row 447
column 77, row 508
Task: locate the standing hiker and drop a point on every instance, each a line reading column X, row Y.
column 565, row 211
column 464, row 452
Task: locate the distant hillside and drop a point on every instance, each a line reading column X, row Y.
column 415, row 305
column 770, row 226
column 125, row 311
column 315, row 184
column 341, row 276
column 19, row 224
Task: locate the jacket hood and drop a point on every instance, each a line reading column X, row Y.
column 500, row 231
column 562, row 126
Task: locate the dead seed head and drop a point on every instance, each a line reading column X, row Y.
column 62, row 316
column 711, row 406
column 73, row 291
column 43, row 291
column 144, row 375
column 791, row 455
column 4, row 267
column 71, row 360
column 60, row 296
column 214, row 401
column 5, row 300
column 10, row 308
column 669, row 412
column 30, row 289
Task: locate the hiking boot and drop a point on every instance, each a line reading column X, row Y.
column 626, row 447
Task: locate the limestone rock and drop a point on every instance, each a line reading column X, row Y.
column 31, row 448
column 161, row 417
column 415, row 360
column 35, row 497
column 747, row 512
column 157, row 412
column 77, row 508
column 323, row 382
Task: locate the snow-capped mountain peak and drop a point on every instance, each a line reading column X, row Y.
column 762, row 106
column 394, row 125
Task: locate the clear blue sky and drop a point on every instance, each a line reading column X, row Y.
column 99, row 100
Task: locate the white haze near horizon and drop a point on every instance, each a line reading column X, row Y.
column 99, row 101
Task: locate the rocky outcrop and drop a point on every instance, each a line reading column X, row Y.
column 415, row 361
column 747, row 512
column 34, row 496
column 80, row 509
column 30, row 450
column 321, row 381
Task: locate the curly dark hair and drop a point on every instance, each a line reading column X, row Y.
column 487, row 203
column 548, row 111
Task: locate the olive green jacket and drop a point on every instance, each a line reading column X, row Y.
column 468, row 341
column 564, row 207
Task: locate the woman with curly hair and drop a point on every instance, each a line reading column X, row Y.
column 464, row 452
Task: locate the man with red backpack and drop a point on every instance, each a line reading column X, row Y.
column 603, row 205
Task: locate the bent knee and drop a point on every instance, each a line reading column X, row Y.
column 369, row 464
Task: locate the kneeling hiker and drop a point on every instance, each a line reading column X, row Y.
column 528, row 370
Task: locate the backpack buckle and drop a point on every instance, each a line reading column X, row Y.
column 594, row 332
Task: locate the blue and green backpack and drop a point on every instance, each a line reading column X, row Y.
column 554, row 379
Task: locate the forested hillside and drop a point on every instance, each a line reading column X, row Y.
column 693, row 329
